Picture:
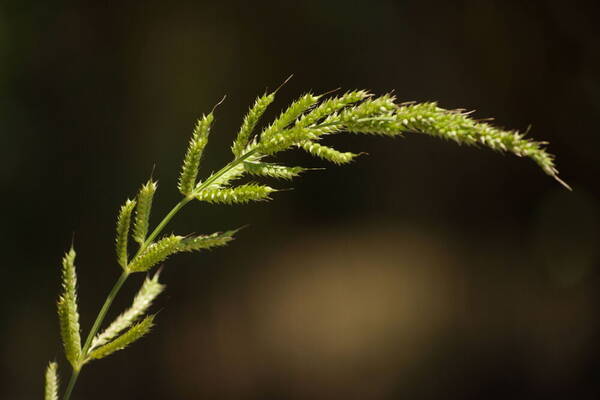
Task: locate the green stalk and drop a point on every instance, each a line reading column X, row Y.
column 163, row 223
column 102, row 314
column 71, row 385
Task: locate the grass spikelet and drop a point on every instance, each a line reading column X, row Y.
column 193, row 155
column 155, row 253
column 52, row 383
column 238, row 194
column 250, row 121
column 272, row 170
column 67, row 311
column 327, row 153
column 150, row 289
column 142, row 211
column 430, row 119
column 123, row 222
column 202, row 242
column 331, row 106
column 295, row 110
column 372, row 107
column 227, row 177
column 286, row 139
column 134, row 333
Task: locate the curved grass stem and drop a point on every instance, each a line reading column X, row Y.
column 355, row 112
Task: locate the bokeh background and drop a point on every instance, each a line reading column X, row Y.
column 422, row 271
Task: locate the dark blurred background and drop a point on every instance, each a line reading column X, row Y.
column 422, row 271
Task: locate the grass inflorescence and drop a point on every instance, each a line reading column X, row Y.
column 303, row 125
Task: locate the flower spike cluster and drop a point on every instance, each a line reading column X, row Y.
column 67, row 311
column 142, row 301
column 301, row 126
column 51, row 390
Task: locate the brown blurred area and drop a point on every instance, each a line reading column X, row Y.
column 422, row 271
